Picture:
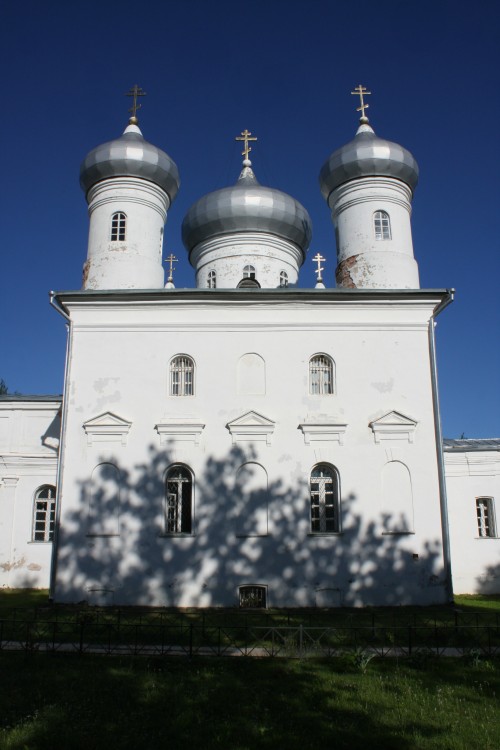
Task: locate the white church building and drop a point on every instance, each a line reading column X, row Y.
column 247, row 442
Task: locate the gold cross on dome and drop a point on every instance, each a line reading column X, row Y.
column 361, row 91
column 170, row 260
column 245, row 136
column 319, row 260
column 135, row 91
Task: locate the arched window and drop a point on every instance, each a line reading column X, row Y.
column 178, row 501
column 382, row 225
column 325, row 499
column 182, row 376
column 118, row 223
column 283, row 278
column 320, row 375
column 212, row 280
column 248, row 272
column 44, row 510
column 485, row 517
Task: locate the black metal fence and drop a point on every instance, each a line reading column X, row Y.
column 167, row 635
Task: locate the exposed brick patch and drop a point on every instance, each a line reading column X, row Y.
column 343, row 273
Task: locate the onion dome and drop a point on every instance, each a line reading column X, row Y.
column 367, row 155
column 130, row 156
column 247, row 207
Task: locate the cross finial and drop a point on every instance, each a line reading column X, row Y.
column 246, row 136
column 170, row 260
column 135, row 91
column 361, row 91
column 319, row 260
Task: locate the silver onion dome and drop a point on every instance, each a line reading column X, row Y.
column 130, row 155
column 247, row 207
column 367, row 155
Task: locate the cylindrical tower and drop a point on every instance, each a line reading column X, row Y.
column 246, row 236
column 129, row 185
column 368, row 185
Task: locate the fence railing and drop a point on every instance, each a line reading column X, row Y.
column 162, row 638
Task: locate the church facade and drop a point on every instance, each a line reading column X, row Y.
column 248, row 442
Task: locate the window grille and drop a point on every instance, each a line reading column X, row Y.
column 212, row 280
column 248, row 272
column 382, row 225
column 324, row 499
column 485, row 517
column 178, row 501
column 44, row 511
column 321, row 375
column 253, row 597
column 283, row 278
column 182, row 376
column 118, row 222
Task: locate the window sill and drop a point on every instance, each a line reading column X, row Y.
column 176, row 535
column 249, row 536
column 325, row 533
column 482, row 538
column 398, row 533
column 34, row 541
column 97, row 535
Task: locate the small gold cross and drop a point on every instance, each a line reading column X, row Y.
column 170, row 260
column 135, row 91
column 360, row 91
column 245, row 136
column 319, row 260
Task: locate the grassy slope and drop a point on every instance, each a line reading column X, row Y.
column 243, row 704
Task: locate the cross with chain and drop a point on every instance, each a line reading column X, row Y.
column 135, row 91
column 319, row 259
column 170, row 260
column 360, row 91
column 245, row 136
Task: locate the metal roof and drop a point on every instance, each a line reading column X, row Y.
column 22, row 397
column 468, row 445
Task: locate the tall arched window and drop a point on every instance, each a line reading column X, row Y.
column 118, row 224
column 248, row 272
column 283, row 278
column 325, row 499
column 212, row 280
column 182, row 376
column 321, row 375
column 382, row 225
column 44, row 510
column 178, row 500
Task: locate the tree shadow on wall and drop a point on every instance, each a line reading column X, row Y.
column 132, row 557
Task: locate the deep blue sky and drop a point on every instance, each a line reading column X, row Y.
column 284, row 70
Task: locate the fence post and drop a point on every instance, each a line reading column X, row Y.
column 300, row 639
column 190, row 640
column 409, row 640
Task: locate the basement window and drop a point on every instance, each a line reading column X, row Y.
column 253, row 597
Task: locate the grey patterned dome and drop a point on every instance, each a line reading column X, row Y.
column 130, row 155
column 247, row 207
column 367, row 155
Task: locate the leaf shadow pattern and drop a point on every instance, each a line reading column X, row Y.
column 142, row 564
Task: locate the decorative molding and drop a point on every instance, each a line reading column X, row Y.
column 107, row 428
column 181, row 428
column 393, row 426
column 323, row 431
column 251, row 427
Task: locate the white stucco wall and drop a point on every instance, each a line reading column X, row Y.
column 119, row 411
column 29, row 442
column 475, row 559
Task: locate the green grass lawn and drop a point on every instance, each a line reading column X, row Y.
column 61, row 701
